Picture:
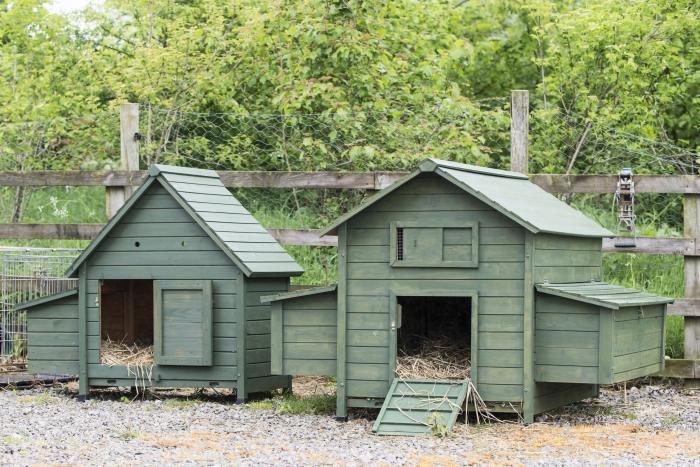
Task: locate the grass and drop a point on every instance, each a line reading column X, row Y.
column 38, row 399
column 177, row 403
column 291, row 404
column 128, row 435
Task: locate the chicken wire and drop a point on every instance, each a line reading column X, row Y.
column 26, row 274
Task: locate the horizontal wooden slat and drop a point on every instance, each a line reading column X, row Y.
column 651, row 245
column 685, row 307
column 554, row 183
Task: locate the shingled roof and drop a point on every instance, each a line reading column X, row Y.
column 510, row 193
column 238, row 234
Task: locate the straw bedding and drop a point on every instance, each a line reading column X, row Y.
column 129, row 355
column 434, row 359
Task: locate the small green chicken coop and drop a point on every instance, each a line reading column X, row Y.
column 488, row 259
column 180, row 270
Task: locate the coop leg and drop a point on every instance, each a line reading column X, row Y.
column 528, row 416
column 341, row 410
column 288, row 387
column 83, row 390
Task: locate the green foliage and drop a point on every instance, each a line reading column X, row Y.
column 438, row 427
column 296, row 405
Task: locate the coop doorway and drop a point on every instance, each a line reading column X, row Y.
column 126, row 322
column 434, row 337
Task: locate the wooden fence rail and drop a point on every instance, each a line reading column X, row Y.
column 685, row 184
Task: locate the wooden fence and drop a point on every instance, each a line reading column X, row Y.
column 119, row 185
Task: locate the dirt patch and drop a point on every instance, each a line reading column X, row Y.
column 313, row 385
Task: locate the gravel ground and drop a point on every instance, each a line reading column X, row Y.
column 657, row 425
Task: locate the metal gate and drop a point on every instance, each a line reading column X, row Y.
column 25, row 274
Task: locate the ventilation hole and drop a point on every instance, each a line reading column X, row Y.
column 182, row 243
column 137, row 244
column 399, row 243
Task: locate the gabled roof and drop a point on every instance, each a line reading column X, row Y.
column 45, row 299
column 602, row 294
column 238, row 234
column 510, row 193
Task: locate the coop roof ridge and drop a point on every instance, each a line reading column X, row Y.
column 179, row 182
column 510, row 193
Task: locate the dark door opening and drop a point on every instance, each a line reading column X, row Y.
column 126, row 321
column 434, row 337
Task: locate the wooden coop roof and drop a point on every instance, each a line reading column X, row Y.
column 602, row 294
column 510, row 193
column 44, row 299
column 202, row 195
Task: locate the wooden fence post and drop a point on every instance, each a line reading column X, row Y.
column 691, row 271
column 129, row 136
column 519, row 129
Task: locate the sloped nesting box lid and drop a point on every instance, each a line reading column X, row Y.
column 603, row 294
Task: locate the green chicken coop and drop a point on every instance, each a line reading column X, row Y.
column 488, row 259
column 180, row 269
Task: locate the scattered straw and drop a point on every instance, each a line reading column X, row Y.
column 434, row 359
column 138, row 360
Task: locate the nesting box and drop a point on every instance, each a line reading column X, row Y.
column 481, row 256
column 179, row 270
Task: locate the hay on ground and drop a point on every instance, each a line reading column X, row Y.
column 434, row 359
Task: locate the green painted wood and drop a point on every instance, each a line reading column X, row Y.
column 154, row 272
column 83, row 375
column 309, row 334
column 567, row 339
column 501, row 392
column 367, row 371
column 567, row 322
column 410, row 406
column 258, row 327
column 52, row 353
column 342, row 383
column 316, row 367
column 529, row 329
column 545, row 241
column 160, row 258
column 501, row 288
column 358, row 354
column 565, row 357
column 637, row 372
column 569, row 258
column 243, row 342
column 311, row 317
column 258, row 355
column 501, row 323
column 500, row 341
column 491, row 375
column 276, row 339
column 566, row 374
column 311, row 351
column 183, row 329
column 218, row 373
column 501, row 358
column 488, row 236
column 487, row 254
column 598, row 293
column 40, row 325
column 491, row 270
column 567, row 273
column 163, row 383
column 54, row 367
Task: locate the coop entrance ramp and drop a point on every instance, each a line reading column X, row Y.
column 418, row 406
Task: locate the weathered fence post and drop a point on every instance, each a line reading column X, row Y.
column 129, row 136
column 519, row 129
column 691, row 271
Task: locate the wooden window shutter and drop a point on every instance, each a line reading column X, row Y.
column 183, row 322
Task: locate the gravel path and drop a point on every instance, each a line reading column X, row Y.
column 658, row 425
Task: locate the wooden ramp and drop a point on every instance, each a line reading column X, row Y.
column 413, row 407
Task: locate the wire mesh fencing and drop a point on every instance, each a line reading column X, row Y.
column 26, row 274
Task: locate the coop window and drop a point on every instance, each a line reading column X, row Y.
column 126, row 321
column 425, row 244
column 183, row 316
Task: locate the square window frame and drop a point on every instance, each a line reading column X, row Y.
column 473, row 263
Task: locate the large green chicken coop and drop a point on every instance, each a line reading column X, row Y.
column 485, row 257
